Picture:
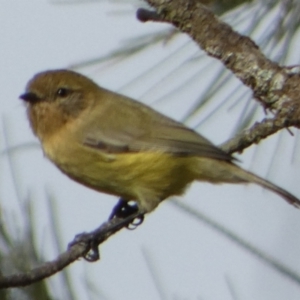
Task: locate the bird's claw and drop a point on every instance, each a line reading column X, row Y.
column 87, row 239
column 135, row 223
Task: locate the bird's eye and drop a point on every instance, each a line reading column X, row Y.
column 63, row 92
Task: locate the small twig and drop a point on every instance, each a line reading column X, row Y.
column 257, row 132
column 74, row 252
column 251, row 136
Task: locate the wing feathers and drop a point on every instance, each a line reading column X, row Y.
column 134, row 127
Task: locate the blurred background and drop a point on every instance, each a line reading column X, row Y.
column 216, row 242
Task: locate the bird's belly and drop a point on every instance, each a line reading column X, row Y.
column 133, row 176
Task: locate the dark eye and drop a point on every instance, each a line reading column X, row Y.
column 63, row 92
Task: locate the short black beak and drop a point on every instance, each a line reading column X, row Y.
column 30, row 97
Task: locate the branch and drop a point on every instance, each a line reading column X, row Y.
column 77, row 249
column 272, row 85
column 256, row 133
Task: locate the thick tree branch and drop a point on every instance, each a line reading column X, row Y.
column 271, row 84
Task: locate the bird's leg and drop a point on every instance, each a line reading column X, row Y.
column 124, row 209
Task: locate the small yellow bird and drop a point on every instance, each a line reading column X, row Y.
column 116, row 145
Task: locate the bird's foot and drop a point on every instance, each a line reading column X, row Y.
column 125, row 209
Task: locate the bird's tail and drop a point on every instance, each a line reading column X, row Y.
column 272, row 187
column 216, row 171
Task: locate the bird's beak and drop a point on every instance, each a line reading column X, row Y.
column 30, row 97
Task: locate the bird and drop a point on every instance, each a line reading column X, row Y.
column 119, row 146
